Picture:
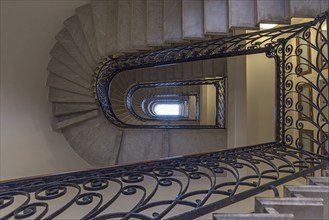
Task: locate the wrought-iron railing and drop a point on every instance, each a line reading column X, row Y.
column 220, row 101
column 191, row 186
column 179, row 188
column 149, row 101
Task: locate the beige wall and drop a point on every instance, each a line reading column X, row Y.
column 260, row 99
column 237, row 98
column 28, row 145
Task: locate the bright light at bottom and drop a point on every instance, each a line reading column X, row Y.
column 166, row 109
column 267, row 26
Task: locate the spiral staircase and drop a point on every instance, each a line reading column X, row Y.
column 102, row 30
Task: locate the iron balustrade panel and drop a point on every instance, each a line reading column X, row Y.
column 159, row 98
column 219, row 83
column 303, row 89
column 257, row 42
column 178, row 188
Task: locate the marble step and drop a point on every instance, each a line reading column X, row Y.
column 124, row 41
column 307, row 8
column 318, row 180
column 56, row 95
column 138, row 25
column 216, row 17
column 75, row 120
column 301, row 208
column 253, row 216
column 85, row 16
column 60, row 109
column 242, row 14
column 66, row 40
column 310, row 191
column 154, row 21
column 62, row 70
column 74, row 27
column 193, row 23
column 58, row 82
column 172, row 21
column 59, row 53
column 273, row 11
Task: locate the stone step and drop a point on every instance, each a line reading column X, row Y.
column 242, row 14
column 193, row 19
column 74, row 27
column 59, row 53
column 216, row 17
column 138, row 145
column 75, row 120
column 85, row 15
column 273, row 11
column 60, row 109
column 138, row 25
column 124, row 25
column 253, row 216
column 318, row 180
column 310, row 191
column 58, row 82
column 307, row 8
column 66, row 40
column 56, row 95
column 172, row 21
column 154, row 21
column 62, row 70
column 301, row 208
column 100, row 19
column 96, row 140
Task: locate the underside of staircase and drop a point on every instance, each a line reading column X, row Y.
column 103, row 29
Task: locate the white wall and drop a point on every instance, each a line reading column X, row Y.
column 28, row 145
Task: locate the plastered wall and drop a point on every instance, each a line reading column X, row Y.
column 28, row 144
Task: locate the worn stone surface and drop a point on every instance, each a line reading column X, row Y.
column 66, row 40
column 193, row 19
column 242, row 14
column 140, row 145
column 56, row 95
column 272, row 11
column 85, row 16
column 215, row 16
column 59, row 53
column 302, row 208
column 317, row 180
column 57, row 82
column 99, row 11
column 73, row 25
column 97, row 141
column 124, row 25
column 308, row 8
column 172, row 21
column 310, row 191
column 183, row 142
column 70, row 108
column 253, row 216
column 62, row 70
column 111, row 23
column 138, row 29
column 75, row 119
column 154, row 22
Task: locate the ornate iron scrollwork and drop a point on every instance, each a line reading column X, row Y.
column 219, row 83
column 191, row 186
column 197, row 184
